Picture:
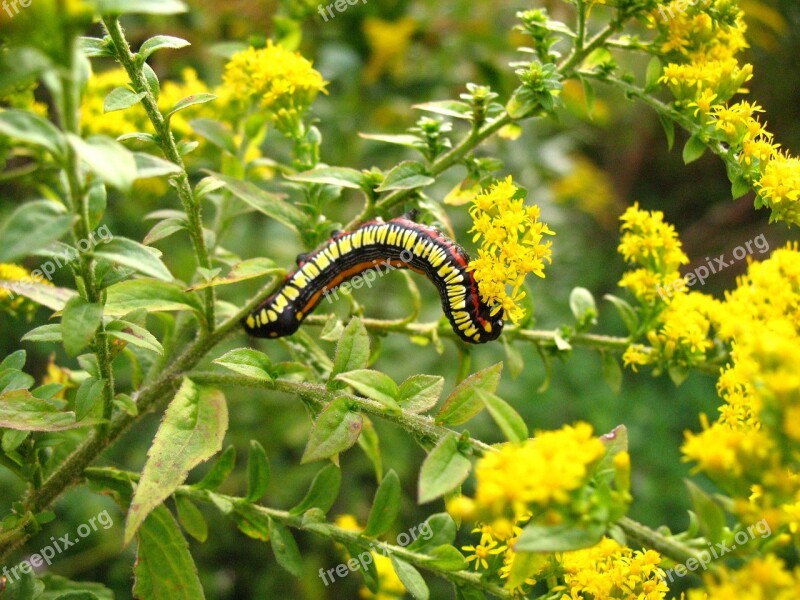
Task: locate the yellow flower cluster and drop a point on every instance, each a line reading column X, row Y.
column 274, row 79
column 10, row 301
column 389, row 42
column 609, row 570
column 511, row 246
column 761, row 579
column 539, row 475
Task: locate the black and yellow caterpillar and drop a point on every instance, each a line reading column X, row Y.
column 400, row 243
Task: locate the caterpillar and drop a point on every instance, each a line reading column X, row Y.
column 398, row 243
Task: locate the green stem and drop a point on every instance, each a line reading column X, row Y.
column 191, row 207
column 420, row 426
column 666, row 546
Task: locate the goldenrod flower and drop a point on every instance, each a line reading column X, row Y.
column 14, row 278
column 779, row 188
column 590, row 189
column 389, row 585
column 482, row 552
column 276, row 80
column 389, row 42
column 511, row 248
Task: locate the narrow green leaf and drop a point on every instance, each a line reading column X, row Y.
column 269, row 204
column 448, row 108
column 79, row 323
column 694, row 149
column 654, row 70
column 583, row 307
column 463, row 403
column 669, row 130
column 558, row 538
column 88, row 395
column 164, row 229
column 161, row 41
column 164, row 569
column 437, row 530
column 248, row 362
column 250, row 521
column 31, row 227
column 514, row 360
column 191, row 519
column 336, row 429
column 420, row 393
column 217, row 475
column 146, row 7
column 403, row 139
column 370, row 444
column 29, row 128
column 257, row 472
column 285, row 548
column 95, row 47
column 135, row 335
column 323, row 491
column 151, row 295
column 192, row 100
column 137, row 256
column 447, row 558
column 508, row 420
column 111, row 162
column 19, row 409
column 338, row 176
column 410, row 578
column 121, row 98
column 352, row 351
column 709, row 514
column 190, row 433
column 406, row 176
column 216, row 132
column 44, row 333
column 612, row 372
column 247, row 269
column 443, row 470
column 625, row 311
column 148, row 166
column 15, row 360
column 385, row 506
column 374, row 385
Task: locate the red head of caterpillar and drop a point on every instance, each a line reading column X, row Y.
column 401, row 243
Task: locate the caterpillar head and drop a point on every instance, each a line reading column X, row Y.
column 492, row 324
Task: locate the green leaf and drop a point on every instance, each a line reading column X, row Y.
column 217, row 475
column 654, row 70
column 21, row 410
column 137, row 256
column 148, row 166
column 323, row 491
column 507, row 419
column 54, row 298
column 192, row 100
column 121, row 98
column 247, row 269
column 514, row 360
column 15, row 360
column 385, row 506
column 558, row 538
column 146, row 7
column 29, row 128
column 406, row 176
column 111, row 162
column 336, row 429
column 161, row 41
column 463, row 403
column 448, row 108
column 615, row 441
column 250, row 521
column 32, row 227
column 269, row 204
column 443, row 470
column 12, row 439
column 374, row 385
column 447, row 558
column 525, row 566
column 79, row 324
column 257, row 472
column 669, row 130
column 410, row 578
column 625, row 311
column 709, row 514
column 739, row 186
column 216, row 132
column 678, row 374
column 437, row 530
column 191, row 519
column 190, row 433
column 134, row 334
column 583, row 307
column 403, row 139
column 61, row 588
column 694, row 149
column 369, row 442
column 164, row 569
column 612, row 372
column 352, row 351
column 338, row 176
column 149, row 294
column 420, row 393
column 86, row 398
column 95, row 47
column 285, row 548
column 152, row 80
column 44, row 333
column 247, row 362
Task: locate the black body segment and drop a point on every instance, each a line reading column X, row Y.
column 401, row 243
